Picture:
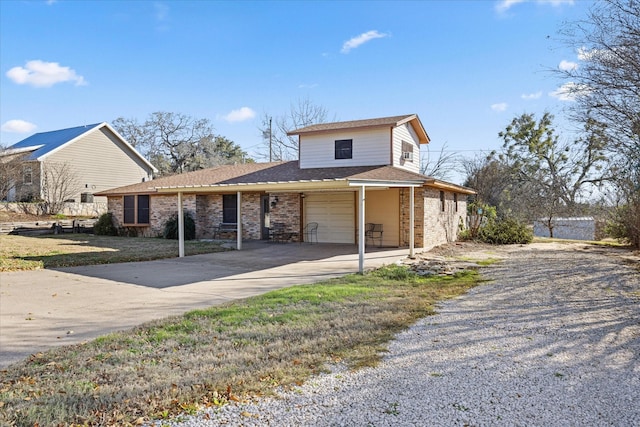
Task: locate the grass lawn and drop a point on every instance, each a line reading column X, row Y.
column 31, row 253
column 231, row 352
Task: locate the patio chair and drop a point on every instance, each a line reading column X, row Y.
column 311, row 232
column 373, row 231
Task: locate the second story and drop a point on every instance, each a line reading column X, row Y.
column 393, row 141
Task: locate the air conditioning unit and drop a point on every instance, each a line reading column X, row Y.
column 407, row 155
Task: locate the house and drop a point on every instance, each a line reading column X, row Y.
column 348, row 174
column 574, row 228
column 93, row 158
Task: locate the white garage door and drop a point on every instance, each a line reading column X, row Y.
column 334, row 213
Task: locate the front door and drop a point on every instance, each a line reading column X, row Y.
column 265, row 222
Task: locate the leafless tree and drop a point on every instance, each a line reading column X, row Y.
column 59, row 183
column 278, row 145
column 10, row 171
column 440, row 165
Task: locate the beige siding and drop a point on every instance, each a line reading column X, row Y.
column 370, row 148
column 407, row 134
column 101, row 161
column 383, row 207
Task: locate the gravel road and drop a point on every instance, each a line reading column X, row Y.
column 552, row 340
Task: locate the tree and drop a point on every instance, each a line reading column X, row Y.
column 10, row 172
column 177, row 143
column 606, row 89
column 278, row 145
column 440, row 166
column 59, row 183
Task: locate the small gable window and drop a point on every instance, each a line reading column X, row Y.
column 136, row 210
column 407, row 151
column 344, row 149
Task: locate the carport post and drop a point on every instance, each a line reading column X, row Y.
column 239, row 221
column 361, row 230
column 411, row 222
column 180, row 227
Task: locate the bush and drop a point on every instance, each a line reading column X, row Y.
column 105, row 226
column 171, row 227
column 505, row 231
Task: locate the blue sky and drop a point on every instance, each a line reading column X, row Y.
column 467, row 68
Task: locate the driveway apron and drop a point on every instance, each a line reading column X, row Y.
column 46, row 308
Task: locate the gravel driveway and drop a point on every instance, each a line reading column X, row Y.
column 554, row 339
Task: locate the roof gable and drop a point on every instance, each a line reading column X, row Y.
column 43, row 143
column 392, row 121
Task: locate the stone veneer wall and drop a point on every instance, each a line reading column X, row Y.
column 287, row 211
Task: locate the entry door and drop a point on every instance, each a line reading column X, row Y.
column 335, row 215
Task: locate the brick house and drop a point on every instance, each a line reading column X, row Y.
column 348, row 174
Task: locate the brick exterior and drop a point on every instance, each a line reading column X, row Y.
column 287, row 210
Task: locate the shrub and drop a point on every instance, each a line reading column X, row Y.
column 171, row 227
column 105, row 226
column 505, row 231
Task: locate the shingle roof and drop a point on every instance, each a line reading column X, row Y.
column 367, row 123
column 45, row 142
column 269, row 173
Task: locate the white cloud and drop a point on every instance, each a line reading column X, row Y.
column 504, row 5
column 567, row 65
column 502, row 106
column 18, row 126
column 162, row 11
column 570, row 91
column 361, row 39
column 535, row 95
column 44, row 74
column 240, row 115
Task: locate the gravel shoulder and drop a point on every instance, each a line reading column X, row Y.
column 552, row 339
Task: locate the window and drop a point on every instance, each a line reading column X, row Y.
column 442, row 201
column 230, row 208
column 455, row 200
column 136, row 209
column 27, row 175
column 344, row 149
column 407, row 151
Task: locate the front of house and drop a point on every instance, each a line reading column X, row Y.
column 349, row 174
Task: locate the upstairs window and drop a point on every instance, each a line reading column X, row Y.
column 407, row 151
column 230, row 208
column 136, row 210
column 344, row 149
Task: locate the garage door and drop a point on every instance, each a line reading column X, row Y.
column 334, row 213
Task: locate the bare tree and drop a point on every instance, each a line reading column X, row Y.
column 606, row 88
column 10, row 171
column 278, row 145
column 59, row 183
column 177, row 143
column 439, row 166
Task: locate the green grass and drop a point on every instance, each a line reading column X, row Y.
column 51, row 251
column 212, row 356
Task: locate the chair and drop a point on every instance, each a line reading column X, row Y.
column 373, row 231
column 311, row 231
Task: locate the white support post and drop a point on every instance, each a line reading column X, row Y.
column 361, row 240
column 412, row 215
column 180, row 227
column 239, row 221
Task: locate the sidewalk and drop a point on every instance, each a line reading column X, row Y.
column 46, row 308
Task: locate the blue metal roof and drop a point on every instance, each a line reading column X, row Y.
column 51, row 140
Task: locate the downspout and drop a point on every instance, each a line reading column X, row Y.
column 180, row 226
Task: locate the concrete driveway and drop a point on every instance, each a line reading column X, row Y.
column 47, row 308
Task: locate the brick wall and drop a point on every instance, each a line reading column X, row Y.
column 287, row 211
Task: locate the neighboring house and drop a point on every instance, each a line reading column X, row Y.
column 349, row 174
column 574, row 228
column 95, row 157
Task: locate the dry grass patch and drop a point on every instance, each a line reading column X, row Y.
column 236, row 351
column 51, row 251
